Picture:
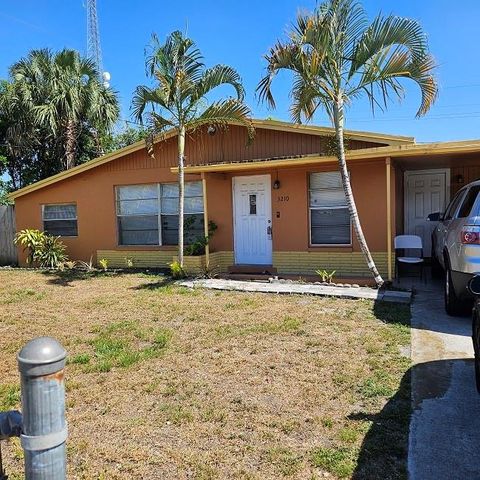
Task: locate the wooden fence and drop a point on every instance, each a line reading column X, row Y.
column 8, row 251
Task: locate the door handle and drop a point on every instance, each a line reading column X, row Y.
column 269, row 231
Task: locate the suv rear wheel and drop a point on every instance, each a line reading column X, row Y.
column 453, row 305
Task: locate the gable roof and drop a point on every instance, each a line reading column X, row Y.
column 389, row 140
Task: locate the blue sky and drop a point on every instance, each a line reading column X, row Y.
column 240, row 33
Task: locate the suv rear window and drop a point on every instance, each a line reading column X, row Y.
column 468, row 202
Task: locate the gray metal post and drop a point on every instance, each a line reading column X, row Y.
column 41, row 362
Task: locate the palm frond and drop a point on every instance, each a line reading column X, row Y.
column 216, row 76
column 222, row 113
column 385, row 32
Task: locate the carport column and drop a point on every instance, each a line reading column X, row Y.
column 205, row 220
column 389, row 218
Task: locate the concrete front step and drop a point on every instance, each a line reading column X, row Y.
column 252, row 269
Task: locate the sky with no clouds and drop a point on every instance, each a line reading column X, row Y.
column 239, row 33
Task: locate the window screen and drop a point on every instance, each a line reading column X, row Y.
column 148, row 214
column 60, row 220
column 329, row 213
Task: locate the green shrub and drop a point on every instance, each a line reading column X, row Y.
column 177, row 270
column 325, row 275
column 45, row 250
column 198, row 245
column 30, row 239
column 104, row 264
column 51, row 252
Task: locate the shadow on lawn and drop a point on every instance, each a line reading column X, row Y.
column 161, row 283
column 398, row 313
column 66, row 277
column 384, row 450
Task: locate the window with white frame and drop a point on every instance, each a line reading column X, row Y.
column 329, row 214
column 148, row 214
column 60, row 219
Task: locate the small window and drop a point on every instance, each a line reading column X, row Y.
column 467, row 205
column 329, row 214
column 60, row 220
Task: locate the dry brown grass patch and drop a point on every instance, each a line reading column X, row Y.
column 165, row 382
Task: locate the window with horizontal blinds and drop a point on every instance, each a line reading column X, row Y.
column 329, row 214
column 148, row 214
column 60, row 220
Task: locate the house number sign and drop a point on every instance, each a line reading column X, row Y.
column 283, row 198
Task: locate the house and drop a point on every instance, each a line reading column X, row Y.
column 278, row 203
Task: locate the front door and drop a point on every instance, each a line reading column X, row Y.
column 252, row 207
column 425, row 193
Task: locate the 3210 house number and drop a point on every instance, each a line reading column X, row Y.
column 283, row 198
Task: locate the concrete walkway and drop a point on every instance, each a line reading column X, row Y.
column 445, row 426
column 300, row 288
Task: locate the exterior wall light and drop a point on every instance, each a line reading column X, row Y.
column 276, row 184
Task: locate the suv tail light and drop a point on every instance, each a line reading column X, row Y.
column 470, row 235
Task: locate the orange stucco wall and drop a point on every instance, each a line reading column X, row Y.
column 290, row 216
column 93, row 191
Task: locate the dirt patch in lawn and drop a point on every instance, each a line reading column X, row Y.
column 166, row 382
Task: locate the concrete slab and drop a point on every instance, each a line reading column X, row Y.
column 445, row 425
column 299, row 288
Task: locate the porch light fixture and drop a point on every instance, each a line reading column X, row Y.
column 211, row 130
column 276, row 183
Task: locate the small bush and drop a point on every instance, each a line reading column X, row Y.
column 177, row 270
column 325, row 275
column 104, row 264
column 45, row 250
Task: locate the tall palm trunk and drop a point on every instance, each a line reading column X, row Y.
column 181, row 191
column 70, row 145
column 339, row 120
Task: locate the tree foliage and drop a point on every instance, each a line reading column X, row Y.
column 54, row 110
column 179, row 100
column 337, row 56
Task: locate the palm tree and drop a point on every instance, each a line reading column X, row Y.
column 336, row 56
column 64, row 94
column 178, row 100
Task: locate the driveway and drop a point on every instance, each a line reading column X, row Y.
column 445, row 426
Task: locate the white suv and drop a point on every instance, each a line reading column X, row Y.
column 456, row 246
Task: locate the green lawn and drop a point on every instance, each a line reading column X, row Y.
column 165, row 382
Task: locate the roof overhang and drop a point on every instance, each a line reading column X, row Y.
column 261, row 124
column 399, row 151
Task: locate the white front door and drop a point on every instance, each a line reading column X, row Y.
column 425, row 193
column 252, row 220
